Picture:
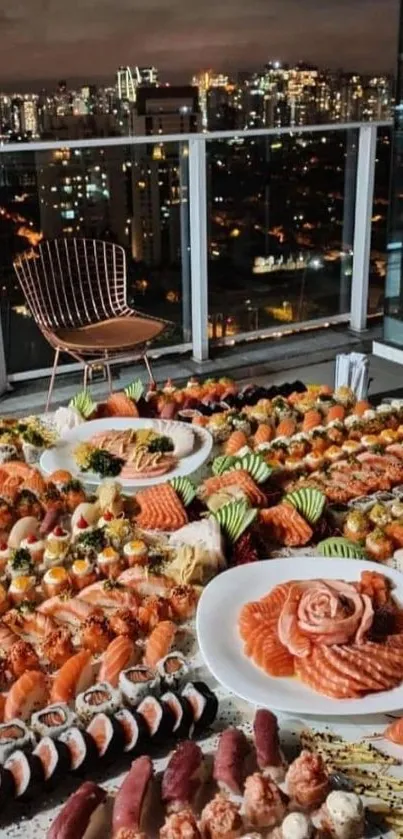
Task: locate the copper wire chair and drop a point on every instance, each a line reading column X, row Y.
column 76, row 291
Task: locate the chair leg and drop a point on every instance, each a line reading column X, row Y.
column 86, row 371
column 148, row 368
column 52, row 379
column 108, row 372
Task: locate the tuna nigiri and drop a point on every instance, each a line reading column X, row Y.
column 28, row 694
column 74, row 677
column 159, row 642
column 83, row 814
column 130, row 808
column 120, row 654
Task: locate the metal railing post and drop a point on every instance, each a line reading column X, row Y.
column 198, row 246
column 4, row 386
column 364, row 197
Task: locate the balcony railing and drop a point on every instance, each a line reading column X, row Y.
column 233, row 236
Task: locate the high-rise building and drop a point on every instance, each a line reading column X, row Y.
column 126, row 86
column 29, row 115
column 166, row 110
column 159, row 172
column 83, row 192
column 128, row 80
column 147, row 76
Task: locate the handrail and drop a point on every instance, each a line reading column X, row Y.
column 197, row 244
column 129, row 140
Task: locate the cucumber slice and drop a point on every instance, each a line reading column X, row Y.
column 308, row 501
column 185, row 489
column 257, row 468
column 83, row 403
column 135, row 390
column 222, row 464
column 234, row 518
column 338, row 546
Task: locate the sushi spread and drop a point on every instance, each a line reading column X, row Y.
column 62, row 742
column 97, row 592
column 231, row 792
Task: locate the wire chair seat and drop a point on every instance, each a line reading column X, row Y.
column 116, row 334
column 76, row 291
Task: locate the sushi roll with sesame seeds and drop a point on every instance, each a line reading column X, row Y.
column 82, row 748
column 204, row 704
column 137, row 682
column 173, row 670
column 182, row 712
column 55, row 759
column 14, row 735
column 28, row 774
column 99, row 698
column 158, row 717
column 108, row 736
column 52, row 721
column 135, row 731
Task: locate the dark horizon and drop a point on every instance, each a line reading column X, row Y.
column 47, row 40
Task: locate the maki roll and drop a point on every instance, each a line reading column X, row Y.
column 108, row 736
column 7, row 787
column 182, row 712
column 13, row 735
column 52, row 721
column 28, row 774
column 204, row 704
column 55, row 759
column 173, row 669
column 158, row 717
column 135, row 730
column 82, row 748
column 138, row 682
column 100, row 698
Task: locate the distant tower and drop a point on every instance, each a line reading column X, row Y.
column 126, row 85
column 147, row 76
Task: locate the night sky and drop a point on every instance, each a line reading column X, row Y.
column 87, row 39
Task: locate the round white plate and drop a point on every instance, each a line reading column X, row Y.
column 61, row 455
column 222, row 647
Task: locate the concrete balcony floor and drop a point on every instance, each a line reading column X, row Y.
column 309, row 357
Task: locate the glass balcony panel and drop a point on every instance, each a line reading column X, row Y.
column 134, row 195
column 281, row 229
column 377, row 276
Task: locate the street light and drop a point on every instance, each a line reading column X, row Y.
column 312, row 263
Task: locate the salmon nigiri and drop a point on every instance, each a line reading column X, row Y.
column 120, row 654
column 68, row 610
column 28, row 694
column 159, row 642
column 73, row 677
column 394, row 732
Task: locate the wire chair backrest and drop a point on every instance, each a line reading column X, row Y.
column 73, row 282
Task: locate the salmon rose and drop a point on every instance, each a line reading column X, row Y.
column 323, row 612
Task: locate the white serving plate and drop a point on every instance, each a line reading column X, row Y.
column 61, row 455
column 222, row 648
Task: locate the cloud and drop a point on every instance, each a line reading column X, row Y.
column 90, row 38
